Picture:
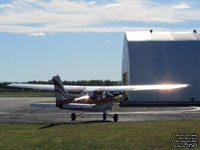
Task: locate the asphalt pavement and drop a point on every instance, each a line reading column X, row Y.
column 18, row 110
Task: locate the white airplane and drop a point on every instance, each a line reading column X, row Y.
column 91, row 98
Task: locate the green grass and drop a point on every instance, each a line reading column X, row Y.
column 26, row 94
column 151, row 135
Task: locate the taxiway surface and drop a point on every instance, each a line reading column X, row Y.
column 19, row 110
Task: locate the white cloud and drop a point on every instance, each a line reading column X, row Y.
column 4, row 5
column 38, row 16
column 92, row 3
column 24, row 29
column 37, row 34
column 181, row 6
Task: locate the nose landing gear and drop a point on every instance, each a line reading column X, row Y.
column 104, row 116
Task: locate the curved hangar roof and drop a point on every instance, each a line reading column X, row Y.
column 162, row 36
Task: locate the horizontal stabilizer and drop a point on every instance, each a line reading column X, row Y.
column 44, row 105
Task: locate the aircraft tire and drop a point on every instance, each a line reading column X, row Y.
column 73, row 116
column 115, row 117
column 104, row 117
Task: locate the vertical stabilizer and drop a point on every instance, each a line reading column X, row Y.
column 61, row 95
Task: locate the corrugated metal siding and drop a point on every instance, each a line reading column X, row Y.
column 164, row 61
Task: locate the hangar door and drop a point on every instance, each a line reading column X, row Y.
column 125, row 81
column 125, row 78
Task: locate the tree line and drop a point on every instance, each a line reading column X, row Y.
column 4, row 88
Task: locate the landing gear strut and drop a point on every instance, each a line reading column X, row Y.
column 73, row 116
column 115, row 117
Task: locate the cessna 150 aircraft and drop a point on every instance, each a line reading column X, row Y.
column 92, row 98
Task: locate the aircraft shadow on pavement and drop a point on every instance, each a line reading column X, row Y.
column 76, row 122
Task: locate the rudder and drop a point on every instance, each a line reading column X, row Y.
column 60, row 93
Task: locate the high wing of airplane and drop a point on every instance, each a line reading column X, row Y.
column 123, row 88
column 97, row 99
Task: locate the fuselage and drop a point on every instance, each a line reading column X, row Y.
column 97, row 102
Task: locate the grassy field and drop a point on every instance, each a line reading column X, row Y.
column 152, row 135
column 26, row 94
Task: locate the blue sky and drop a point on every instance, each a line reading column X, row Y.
column 80, row 39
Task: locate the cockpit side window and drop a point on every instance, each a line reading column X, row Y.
column 104, row 94
column 92, row 96
column 108, row 94
column 100, row 95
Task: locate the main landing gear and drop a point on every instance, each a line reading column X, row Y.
column 73, row 116
column 115, row 117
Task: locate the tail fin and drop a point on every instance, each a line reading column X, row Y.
column 60, row 93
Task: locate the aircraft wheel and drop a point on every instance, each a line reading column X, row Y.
column 104, row 116
column 73, row 116
column 115, row 117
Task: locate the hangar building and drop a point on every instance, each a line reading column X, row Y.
column 156, row 57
